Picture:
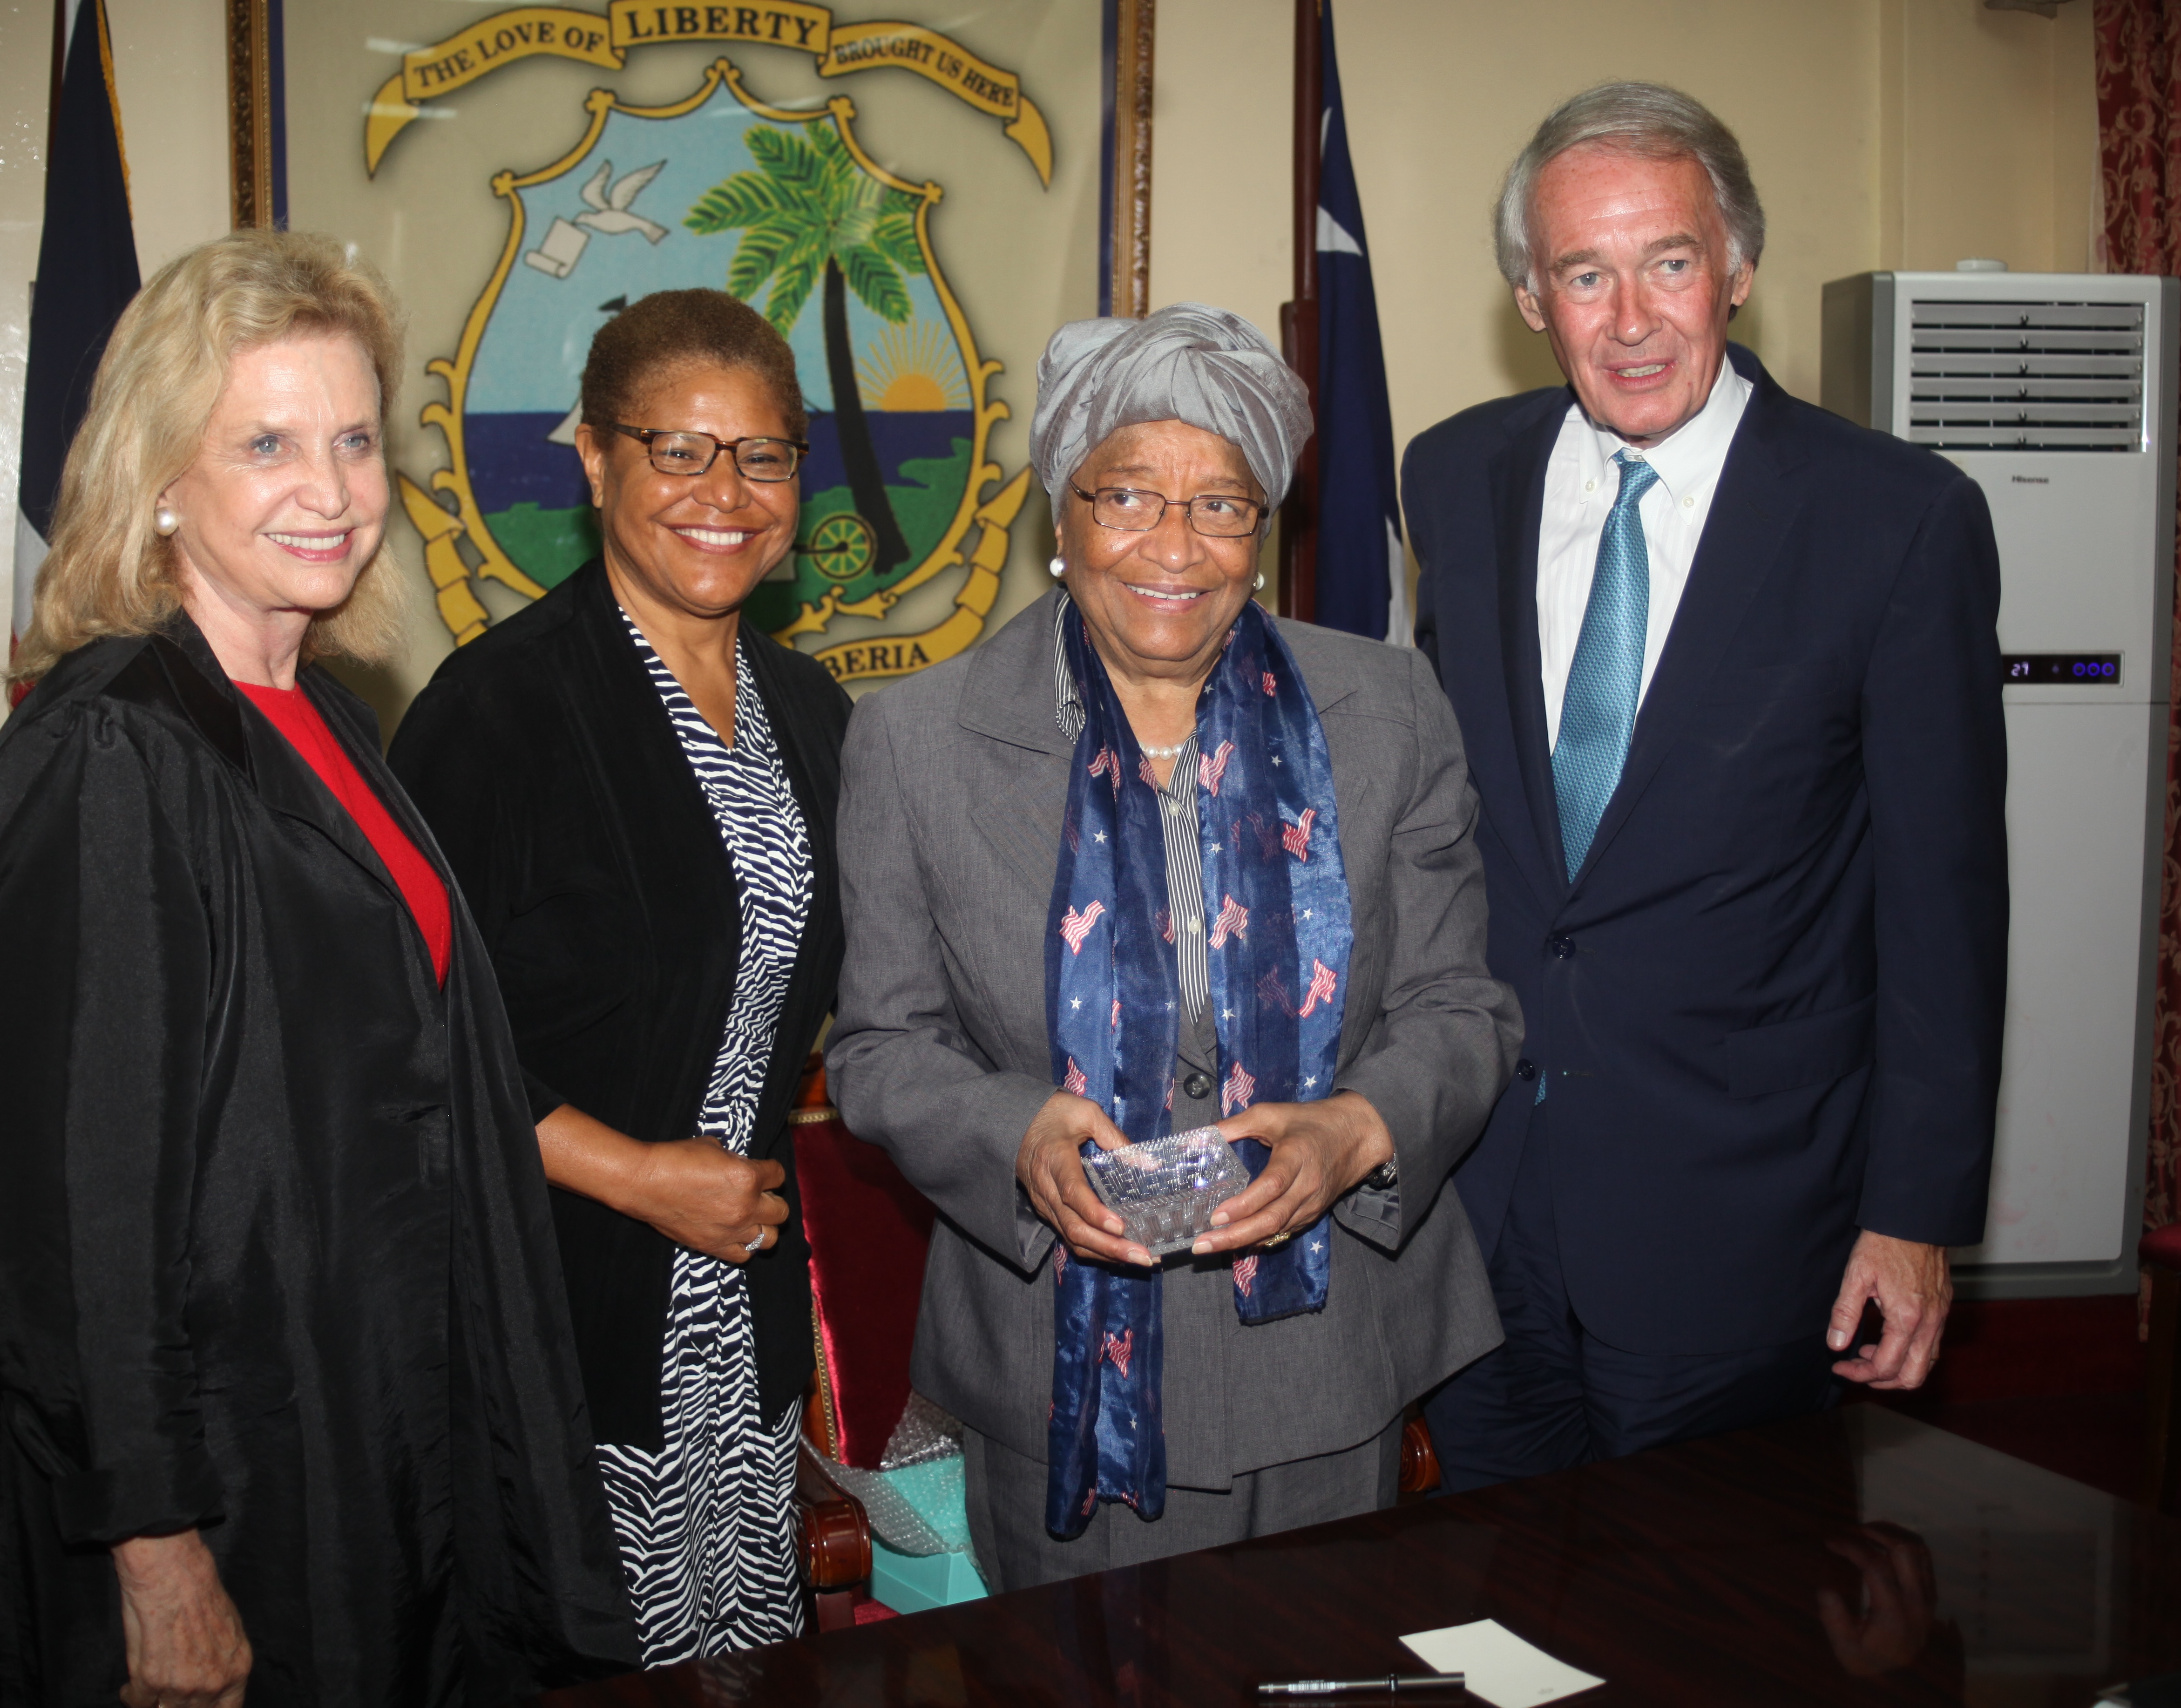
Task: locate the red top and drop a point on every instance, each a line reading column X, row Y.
column 295, row 716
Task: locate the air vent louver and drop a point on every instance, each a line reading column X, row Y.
column 2026, row 376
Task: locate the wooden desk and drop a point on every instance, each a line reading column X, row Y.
column 1688, row 1576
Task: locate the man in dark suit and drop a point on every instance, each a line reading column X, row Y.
column 1727, row 671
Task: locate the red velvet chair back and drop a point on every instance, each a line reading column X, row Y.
column 869, row 1231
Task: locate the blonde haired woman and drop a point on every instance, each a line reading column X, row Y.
column 282, row 1342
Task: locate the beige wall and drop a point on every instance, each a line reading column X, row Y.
column 1882, row 133
column 170, row 64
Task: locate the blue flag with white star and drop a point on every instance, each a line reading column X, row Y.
column 87, row 276
column 1362, row 577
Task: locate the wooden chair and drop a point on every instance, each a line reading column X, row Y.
column 868, row 1232
column 832, row 1542
column 1420, row 1471
column 2161, row 1255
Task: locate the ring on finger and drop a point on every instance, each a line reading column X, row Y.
column 1278, row 1240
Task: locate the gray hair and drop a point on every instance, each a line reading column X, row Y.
column 1187, row 361
column 1645, row 118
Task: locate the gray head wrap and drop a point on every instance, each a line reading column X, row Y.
column 1185, row 362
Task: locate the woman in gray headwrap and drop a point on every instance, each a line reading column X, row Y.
column 1148, row 860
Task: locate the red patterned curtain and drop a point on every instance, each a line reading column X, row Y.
column 2139, row 64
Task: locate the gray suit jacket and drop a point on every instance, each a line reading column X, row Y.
column 954, row 784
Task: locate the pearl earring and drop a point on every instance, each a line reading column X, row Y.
column 1058, row 566
column 164, row 521
column 1261, row 581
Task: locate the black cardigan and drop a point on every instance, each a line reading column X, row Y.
column 554, row 780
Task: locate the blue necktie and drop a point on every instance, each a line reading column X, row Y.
column 1598, row 714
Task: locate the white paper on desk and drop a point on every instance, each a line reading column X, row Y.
column 1502, row 1669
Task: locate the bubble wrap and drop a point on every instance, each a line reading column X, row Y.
column 924, row 1432
column 916, row 1510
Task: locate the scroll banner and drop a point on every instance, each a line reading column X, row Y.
column 603, row 40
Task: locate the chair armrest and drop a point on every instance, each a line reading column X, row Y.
column 1420, row 1472
column 832, row 1531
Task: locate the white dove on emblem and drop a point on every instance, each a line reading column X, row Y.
column 610, row 215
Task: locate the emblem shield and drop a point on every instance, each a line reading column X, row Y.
column 784, row 209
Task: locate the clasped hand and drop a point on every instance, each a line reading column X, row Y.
column 690, row 1189
column 1320, row 1151
column 709, row 1199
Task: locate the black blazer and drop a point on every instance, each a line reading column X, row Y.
column 1768, row 1006
column 553, row 777
column 275, row 1257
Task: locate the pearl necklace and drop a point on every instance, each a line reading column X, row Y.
column 1173, row 752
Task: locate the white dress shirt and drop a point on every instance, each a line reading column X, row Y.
column 1581, row 483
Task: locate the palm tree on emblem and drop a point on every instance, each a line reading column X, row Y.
column 810, row 213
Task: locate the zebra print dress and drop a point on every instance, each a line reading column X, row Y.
column 704, row 1524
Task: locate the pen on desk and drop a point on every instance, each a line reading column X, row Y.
column 1392, row 1684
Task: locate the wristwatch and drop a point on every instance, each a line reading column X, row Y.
column 1382, row 1179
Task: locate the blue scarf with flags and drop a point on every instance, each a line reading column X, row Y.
column 1278, row 931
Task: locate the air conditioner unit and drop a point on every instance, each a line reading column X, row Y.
column 2056, row 393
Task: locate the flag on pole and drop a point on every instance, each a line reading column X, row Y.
column 86, row 275
column 1362, row 578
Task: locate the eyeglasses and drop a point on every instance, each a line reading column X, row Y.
column 1214, row 514
column 694, row 453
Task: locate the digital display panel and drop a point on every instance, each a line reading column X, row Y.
column 2060, row 669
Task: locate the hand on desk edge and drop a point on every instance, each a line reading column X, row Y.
column 1913, row 1286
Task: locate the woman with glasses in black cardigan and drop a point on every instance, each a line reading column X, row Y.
column 636, row 791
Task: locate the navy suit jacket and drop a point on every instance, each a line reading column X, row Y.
column 1768, row 1007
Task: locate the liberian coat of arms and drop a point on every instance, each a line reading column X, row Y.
column 784, row 209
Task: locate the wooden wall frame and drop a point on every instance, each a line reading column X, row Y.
column 254, row 175
column 1129, row 285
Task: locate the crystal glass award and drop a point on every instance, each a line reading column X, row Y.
column 1166, row 1190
